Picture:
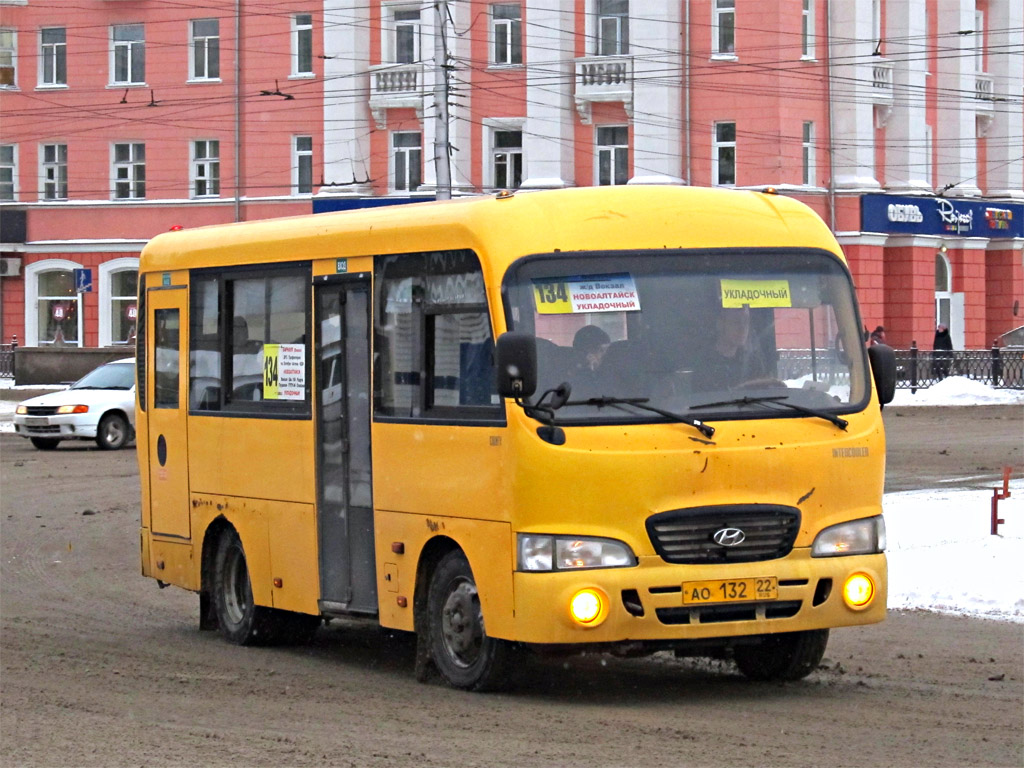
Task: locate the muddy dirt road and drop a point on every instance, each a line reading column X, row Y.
column 102, row 668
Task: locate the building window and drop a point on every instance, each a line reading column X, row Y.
column 723, row 27
column 407, row 160
column 876, row 27
column 507, row 33
column 612, row 27
column 507, row 158
column 54, row 160
column 979, row 41
column 723, row 155
column 807, row 30
column 405, row 33
column 53, row 68
column 129, row 171
column 57, row 308
column 612, row 155
column 118, row 290
column 302, row 44
column 302, row 165
column 808, row 154
column 205, row 168
column 128, row 54
column 8, row 172
column 204, row 41
column 8, row 58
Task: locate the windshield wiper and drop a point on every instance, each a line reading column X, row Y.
column 778, row 400
column 641, row 402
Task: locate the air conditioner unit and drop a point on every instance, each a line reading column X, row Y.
column 10, row 267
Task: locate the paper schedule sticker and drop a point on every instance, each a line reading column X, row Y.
column 284, row 371
column 756, row 293
column 593, row 293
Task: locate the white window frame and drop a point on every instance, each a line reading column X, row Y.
column 613, row 151
column 389, row 30
column 876, row 27
column 393, row 165
column 299, row 158
column 54, row 54
column 979, row 41
column 512, row 55
column 620, row 35
column 721, row 11
column 14, row 172
column 50, row 172
column 32, row 272
column 130, row 165
column 808, row 44
column 11, row 52
column 133, row 49
column 194, row 42
column 204, row 169
column 107, row 271
column 810, row 166
column 491, row 127
column 716, row 148
column 300, row 31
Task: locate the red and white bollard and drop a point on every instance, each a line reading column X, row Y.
column 997, row 496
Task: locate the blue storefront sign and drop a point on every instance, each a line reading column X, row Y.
column 941, row 216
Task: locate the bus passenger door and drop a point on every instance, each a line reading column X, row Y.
column 167, row 369
column 348, row 579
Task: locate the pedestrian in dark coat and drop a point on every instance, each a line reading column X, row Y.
column 877, row 336
column 942, row 354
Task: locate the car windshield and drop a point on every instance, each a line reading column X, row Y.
column 710, row 334
column 109, row 376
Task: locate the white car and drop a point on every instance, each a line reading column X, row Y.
column 100, row 406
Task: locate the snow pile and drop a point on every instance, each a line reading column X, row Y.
column 959, row 390
column 942, row 556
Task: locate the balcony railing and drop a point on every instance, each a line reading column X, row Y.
column 881, row 81
column 394, row 86
column 983, row 92
column 603, row 78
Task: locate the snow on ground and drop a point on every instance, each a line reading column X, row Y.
column 942, row 556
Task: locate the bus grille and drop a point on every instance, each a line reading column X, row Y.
column 717, row 614
column 685, row 536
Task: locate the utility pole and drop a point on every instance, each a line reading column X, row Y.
column 441, row 158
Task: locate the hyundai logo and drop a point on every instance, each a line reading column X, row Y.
column 729, row 537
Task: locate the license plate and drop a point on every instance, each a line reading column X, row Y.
column 37, row 421
column 730, row 590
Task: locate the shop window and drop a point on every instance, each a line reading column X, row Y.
column 53, row 309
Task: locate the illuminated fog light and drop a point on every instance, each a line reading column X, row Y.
column 859, row 591
column 588, row 607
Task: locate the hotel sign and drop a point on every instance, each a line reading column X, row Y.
column 941, row 216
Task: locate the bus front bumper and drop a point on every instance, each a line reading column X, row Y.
column 645, row 602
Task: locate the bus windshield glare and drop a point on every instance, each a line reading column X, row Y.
column 722, row 334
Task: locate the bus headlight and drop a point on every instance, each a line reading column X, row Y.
column 566, row 553
column 857, row 537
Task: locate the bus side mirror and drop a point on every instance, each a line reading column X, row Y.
column 883, row 368
column 516, row 355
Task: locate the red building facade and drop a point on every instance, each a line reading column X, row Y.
column 899, row 121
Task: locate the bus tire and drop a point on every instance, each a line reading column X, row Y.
column 45, row 443
column 462, row 652
column 241, row 621
column 785, row 656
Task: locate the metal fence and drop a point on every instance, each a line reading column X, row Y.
column 7, row 360
column 916, row 368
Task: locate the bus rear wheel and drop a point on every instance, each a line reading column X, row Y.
column 461, row 649
column 241, row 621
column 785, row 656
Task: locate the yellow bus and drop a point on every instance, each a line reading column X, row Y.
column 627, row 418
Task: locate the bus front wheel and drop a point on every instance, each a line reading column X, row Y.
column 785, row 656
column 242, row 621
column 463, row 653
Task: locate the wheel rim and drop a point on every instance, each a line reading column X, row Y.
column 237, row 592
column 114, row 432
column 462, row 624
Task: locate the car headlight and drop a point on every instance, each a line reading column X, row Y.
column 73, row 409
column 857, row 537
column 21, row 410
column 566, row 553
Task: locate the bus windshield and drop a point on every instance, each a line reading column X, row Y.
column 721, row 334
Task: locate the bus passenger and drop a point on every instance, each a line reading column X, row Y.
column 726, row 363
